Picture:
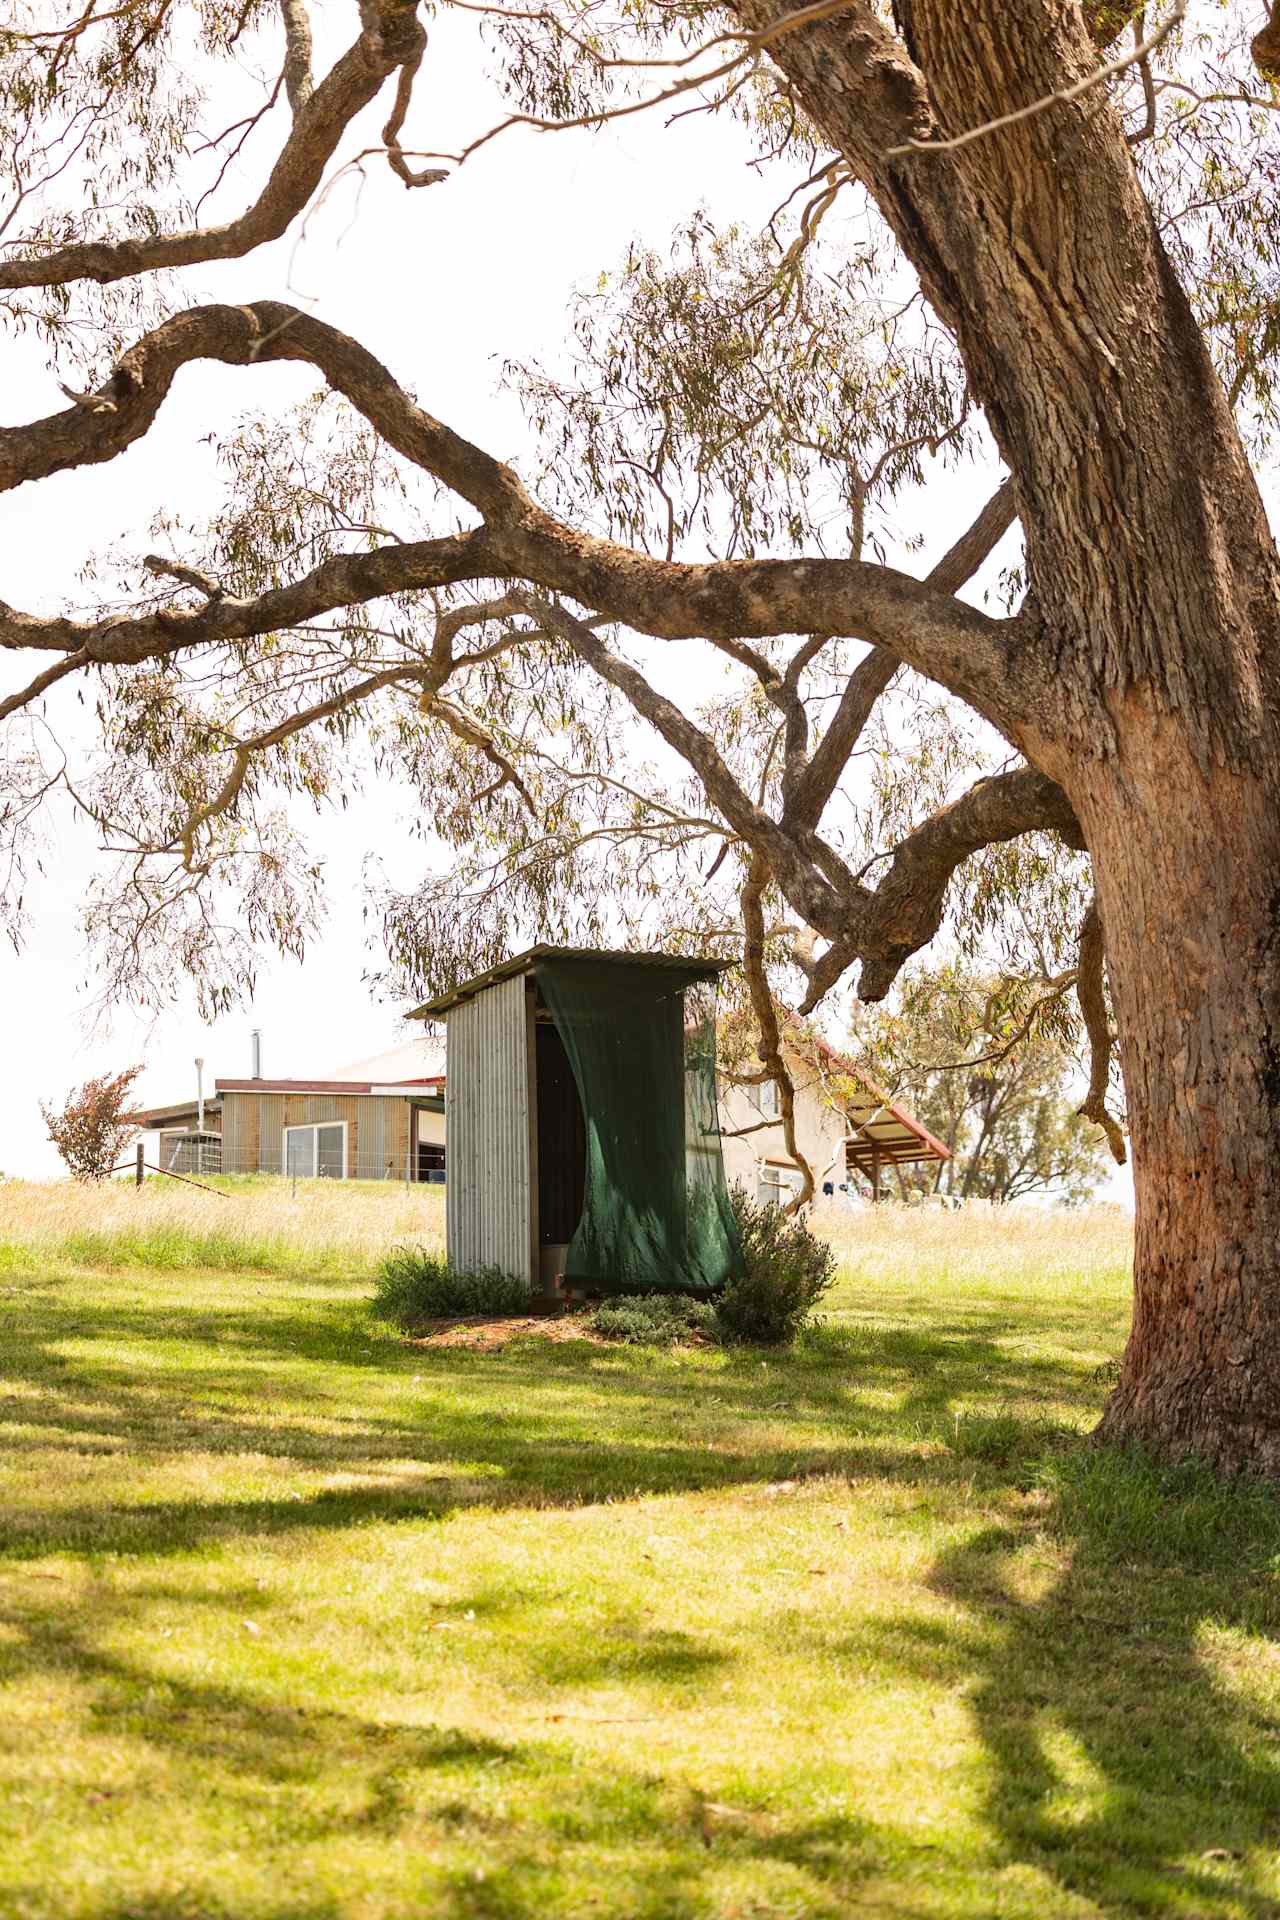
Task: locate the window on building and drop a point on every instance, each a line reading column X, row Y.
column 316, row 1153
column 765, row 1100
column 777, row 1185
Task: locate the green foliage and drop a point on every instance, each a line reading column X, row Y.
column 170, row 1248
column 788, row 1270
column 1002, row 1439
column 1009, row 1116
column 779, row 400
column 653, row 1319
column 417, row 1283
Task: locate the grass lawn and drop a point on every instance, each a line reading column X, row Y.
column 300, row 1623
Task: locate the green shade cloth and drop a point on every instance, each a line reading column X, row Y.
column 642, row 1046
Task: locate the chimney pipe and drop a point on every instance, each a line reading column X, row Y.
column 199, row 1094
column 257, row 1053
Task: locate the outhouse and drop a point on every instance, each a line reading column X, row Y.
column 581, row 1122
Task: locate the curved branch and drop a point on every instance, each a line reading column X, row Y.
column 390, row 36
column 101, row 425
column 1091, row 993
column 346, row 580
column 963, row 649
column 885, row 927
column 872, row 675
column 812, row 895
column 14, row 702
column 427, row 176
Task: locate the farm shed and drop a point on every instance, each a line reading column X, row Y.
column 335, row 1129
column 581, row 1116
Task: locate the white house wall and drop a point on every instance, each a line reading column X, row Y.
column 819, row 1132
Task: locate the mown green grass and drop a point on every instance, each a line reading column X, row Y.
column 301, row 1623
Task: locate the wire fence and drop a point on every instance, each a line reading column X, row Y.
column 204, row 1156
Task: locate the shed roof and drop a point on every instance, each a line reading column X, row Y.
column 149, row 1118
column 885, row 1132
column 881, row 1130
column 427, row 1083
column 527, row 961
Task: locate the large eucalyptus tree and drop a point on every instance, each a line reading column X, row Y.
column 1070, row 217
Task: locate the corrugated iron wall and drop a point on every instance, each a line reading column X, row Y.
column 233, row 1130
column 487, row 1127
column 270, row 1132
column 372, row 1156
column 377, row 1131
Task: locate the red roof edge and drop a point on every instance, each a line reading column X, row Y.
column 320, row 1086
column 844, row 1064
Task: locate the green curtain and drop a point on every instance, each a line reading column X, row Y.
column 642, row 1045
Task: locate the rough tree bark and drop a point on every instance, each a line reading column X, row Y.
column 1153, row 674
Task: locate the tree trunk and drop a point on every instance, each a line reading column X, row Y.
column 1148, row 685
column 1187, row 861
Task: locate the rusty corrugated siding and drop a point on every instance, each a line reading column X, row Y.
column 488, row 1199
column 374, row 1162
column 270, row 1132
column 234, row 1149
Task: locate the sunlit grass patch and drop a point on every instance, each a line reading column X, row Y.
column 328, row 1228
column 300, row 1622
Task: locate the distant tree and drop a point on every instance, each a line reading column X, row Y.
column 95, row 1124
column 988, row 1064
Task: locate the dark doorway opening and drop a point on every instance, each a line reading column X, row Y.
column 562, row 1141
column 430, row 1163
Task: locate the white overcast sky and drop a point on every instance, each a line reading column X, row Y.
column 443, row 284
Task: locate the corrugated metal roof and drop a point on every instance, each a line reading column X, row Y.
column 320, row 1086
column 884, row 1130
column 151, row 1117
column 527, row 961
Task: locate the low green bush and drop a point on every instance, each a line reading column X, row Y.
column 788, row 1270
column 417, row 1283
column 652, row 1319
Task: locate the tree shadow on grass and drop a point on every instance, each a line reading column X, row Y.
column 502, row 1822
column 1123, row 1769
column 421, row 1432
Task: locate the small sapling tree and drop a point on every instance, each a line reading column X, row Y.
column 95, row 1124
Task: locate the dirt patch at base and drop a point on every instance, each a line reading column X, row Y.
column 487, row 1335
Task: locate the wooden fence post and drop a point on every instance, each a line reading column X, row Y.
column 137, row 1178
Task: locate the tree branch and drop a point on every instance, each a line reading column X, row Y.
column 14, row 702
column 428, row 176
column 872, row 675
column 390, row 36
column 747, row 820
column 1091, row 993
column 885, row 927
column 346, row 580
column 298, row 84
column 724, row 601
column 769, row 1045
